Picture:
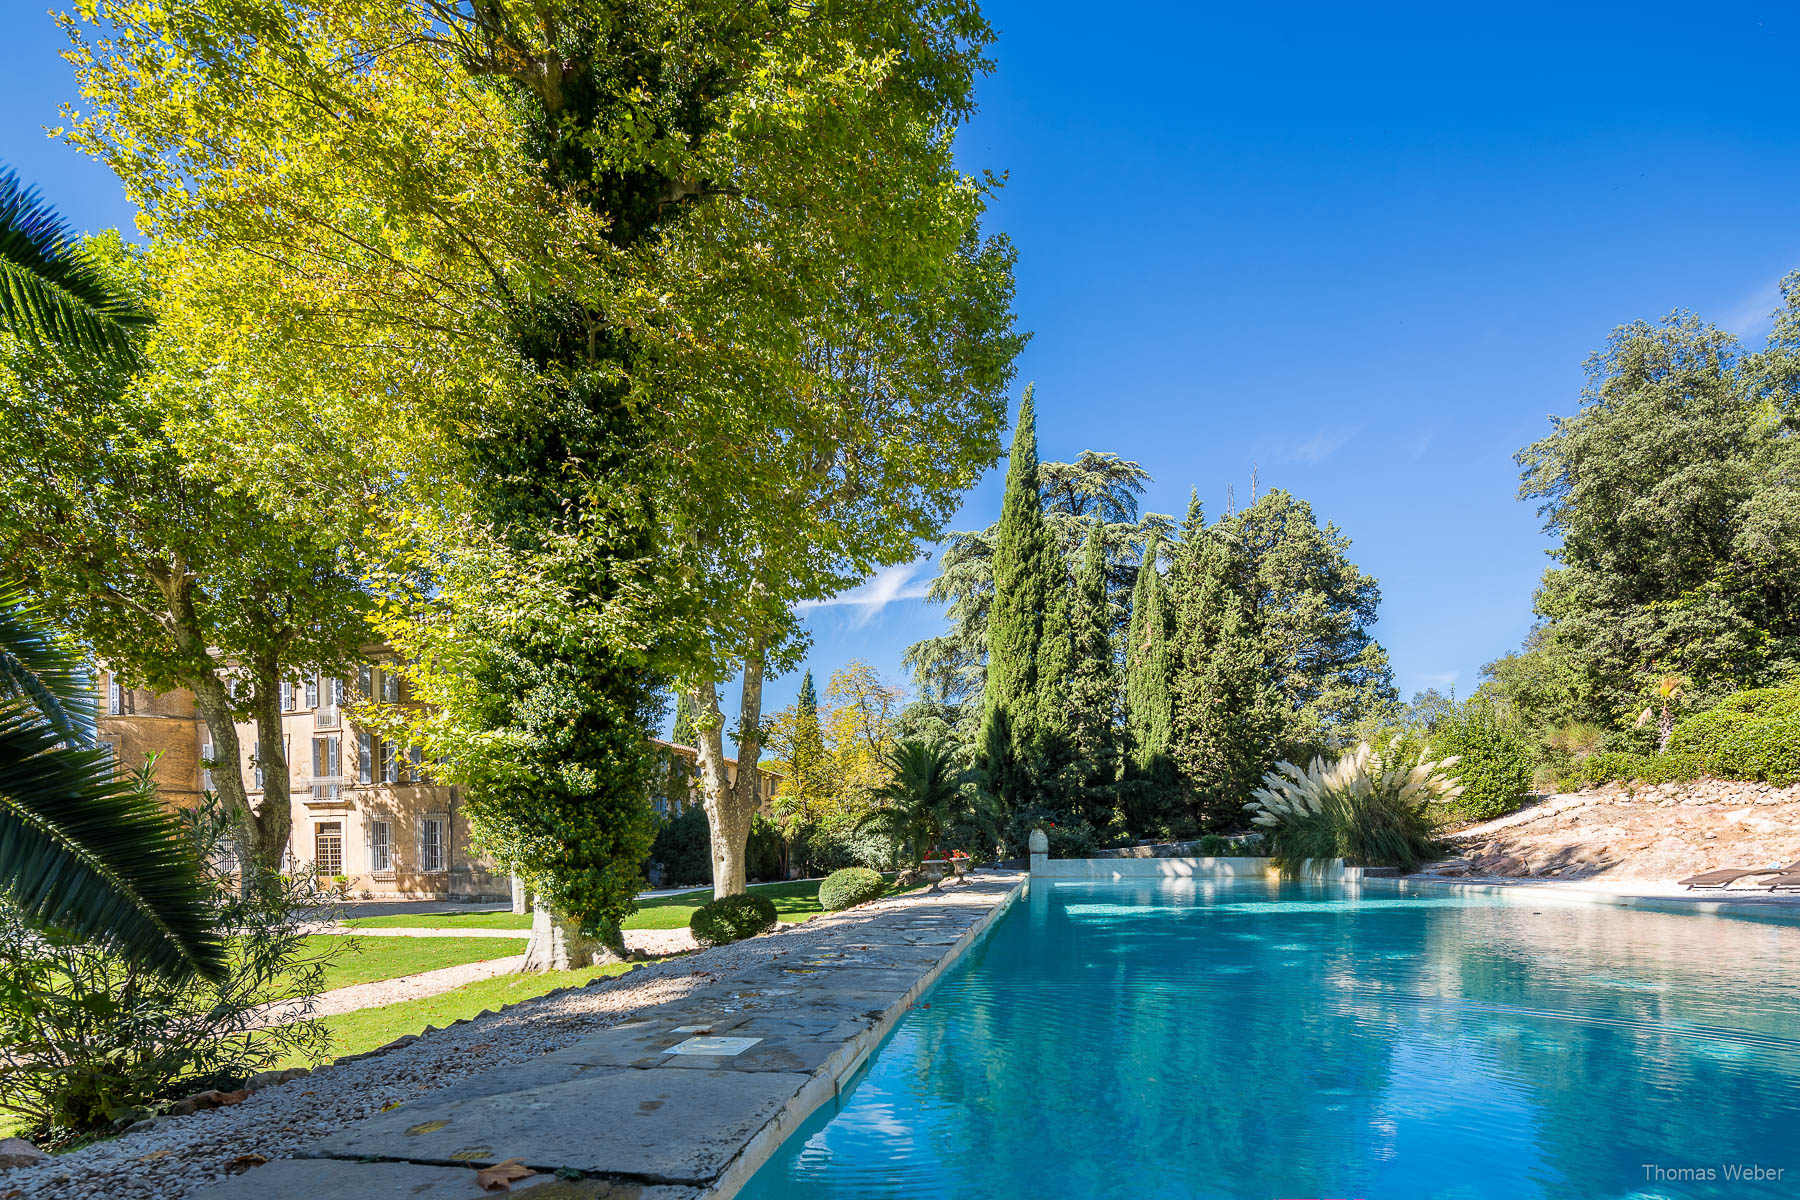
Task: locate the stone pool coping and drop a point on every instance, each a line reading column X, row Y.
column 633, row 1109
column 1644, row 895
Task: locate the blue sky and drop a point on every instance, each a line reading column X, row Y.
column 1362, row 248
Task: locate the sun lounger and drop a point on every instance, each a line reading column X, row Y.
column 1787, row 879
column 1730, row 875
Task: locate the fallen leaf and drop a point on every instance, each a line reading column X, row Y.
column 391, row 1105
column 244, row 1162
column 425, row 1127
column 500, row 1176
column 153, row 1156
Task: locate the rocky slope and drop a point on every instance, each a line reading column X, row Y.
column 1657, row 832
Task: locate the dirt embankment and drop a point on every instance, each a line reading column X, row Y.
column 1661, row 832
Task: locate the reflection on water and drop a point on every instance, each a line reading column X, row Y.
column 1243, row 1039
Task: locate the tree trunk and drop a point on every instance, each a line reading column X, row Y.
column 214, row 702
column 730, row 804
column 558, row 944
column 521, row 899
column 271, row 822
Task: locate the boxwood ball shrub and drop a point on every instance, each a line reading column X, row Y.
column 731, row 919
column 849, row 887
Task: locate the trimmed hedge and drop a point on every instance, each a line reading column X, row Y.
column 731, row 919
column 849, row 887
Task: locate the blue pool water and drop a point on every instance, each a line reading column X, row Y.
column 1255, row 1041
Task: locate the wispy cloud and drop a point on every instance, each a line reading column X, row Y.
column 1753, row 316
column 889, row 585
column 1321, row 445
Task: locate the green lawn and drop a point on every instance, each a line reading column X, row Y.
column 373, row 958
column 794, row 901
column 367, row 1028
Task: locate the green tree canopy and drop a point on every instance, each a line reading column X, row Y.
column 1670, row 491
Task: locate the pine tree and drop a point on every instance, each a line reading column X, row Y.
column 1027, row 636
column 1092, row 690
column 1311, row 609
column 1150, row 775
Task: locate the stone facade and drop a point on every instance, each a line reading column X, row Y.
column 680, row 786
column 362, row 808
column 363, row 811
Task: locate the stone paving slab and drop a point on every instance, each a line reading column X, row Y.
column 330, row 1179
column 665, row 1126
column 634, row 1119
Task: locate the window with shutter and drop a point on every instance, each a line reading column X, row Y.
column 390, row 762
column 325, row 757
column 312, row 691
column 365, row 756
column 416, row 757
column 115, row 699
column 331, row 695
column 287, row 695
column 206, row 775
column 365, row 681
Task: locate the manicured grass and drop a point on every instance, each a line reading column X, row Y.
column 796, row 900
column 364, row 960
column 448, row 919
column 367, row 1028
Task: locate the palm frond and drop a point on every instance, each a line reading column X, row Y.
column 50, row 290
column 84, row 852
column 35, row 667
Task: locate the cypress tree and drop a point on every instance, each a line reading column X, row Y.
column 1147, row 703
column 807, row 704
column 1029, row 609
column 684, row 733
column 1223, row 728
column 1093, row 689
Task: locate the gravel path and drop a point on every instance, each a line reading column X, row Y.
column 184, row 1155
column 411, row 987
column 656, row 942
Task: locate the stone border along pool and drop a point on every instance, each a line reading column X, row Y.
column 684, row 1101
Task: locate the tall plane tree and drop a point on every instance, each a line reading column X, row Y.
column 674, row 314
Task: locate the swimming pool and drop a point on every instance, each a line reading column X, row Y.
column 1244, row 1039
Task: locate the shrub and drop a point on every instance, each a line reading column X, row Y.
column 849, row 887
column 1213, row 845
column 1751, row 735
column 684, row 848
column 1070, row 835
column 86, row 1039
column 1368, row 808
column 732, row 919
column 763, row 850
column 1493, row 758
column 819, row 848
